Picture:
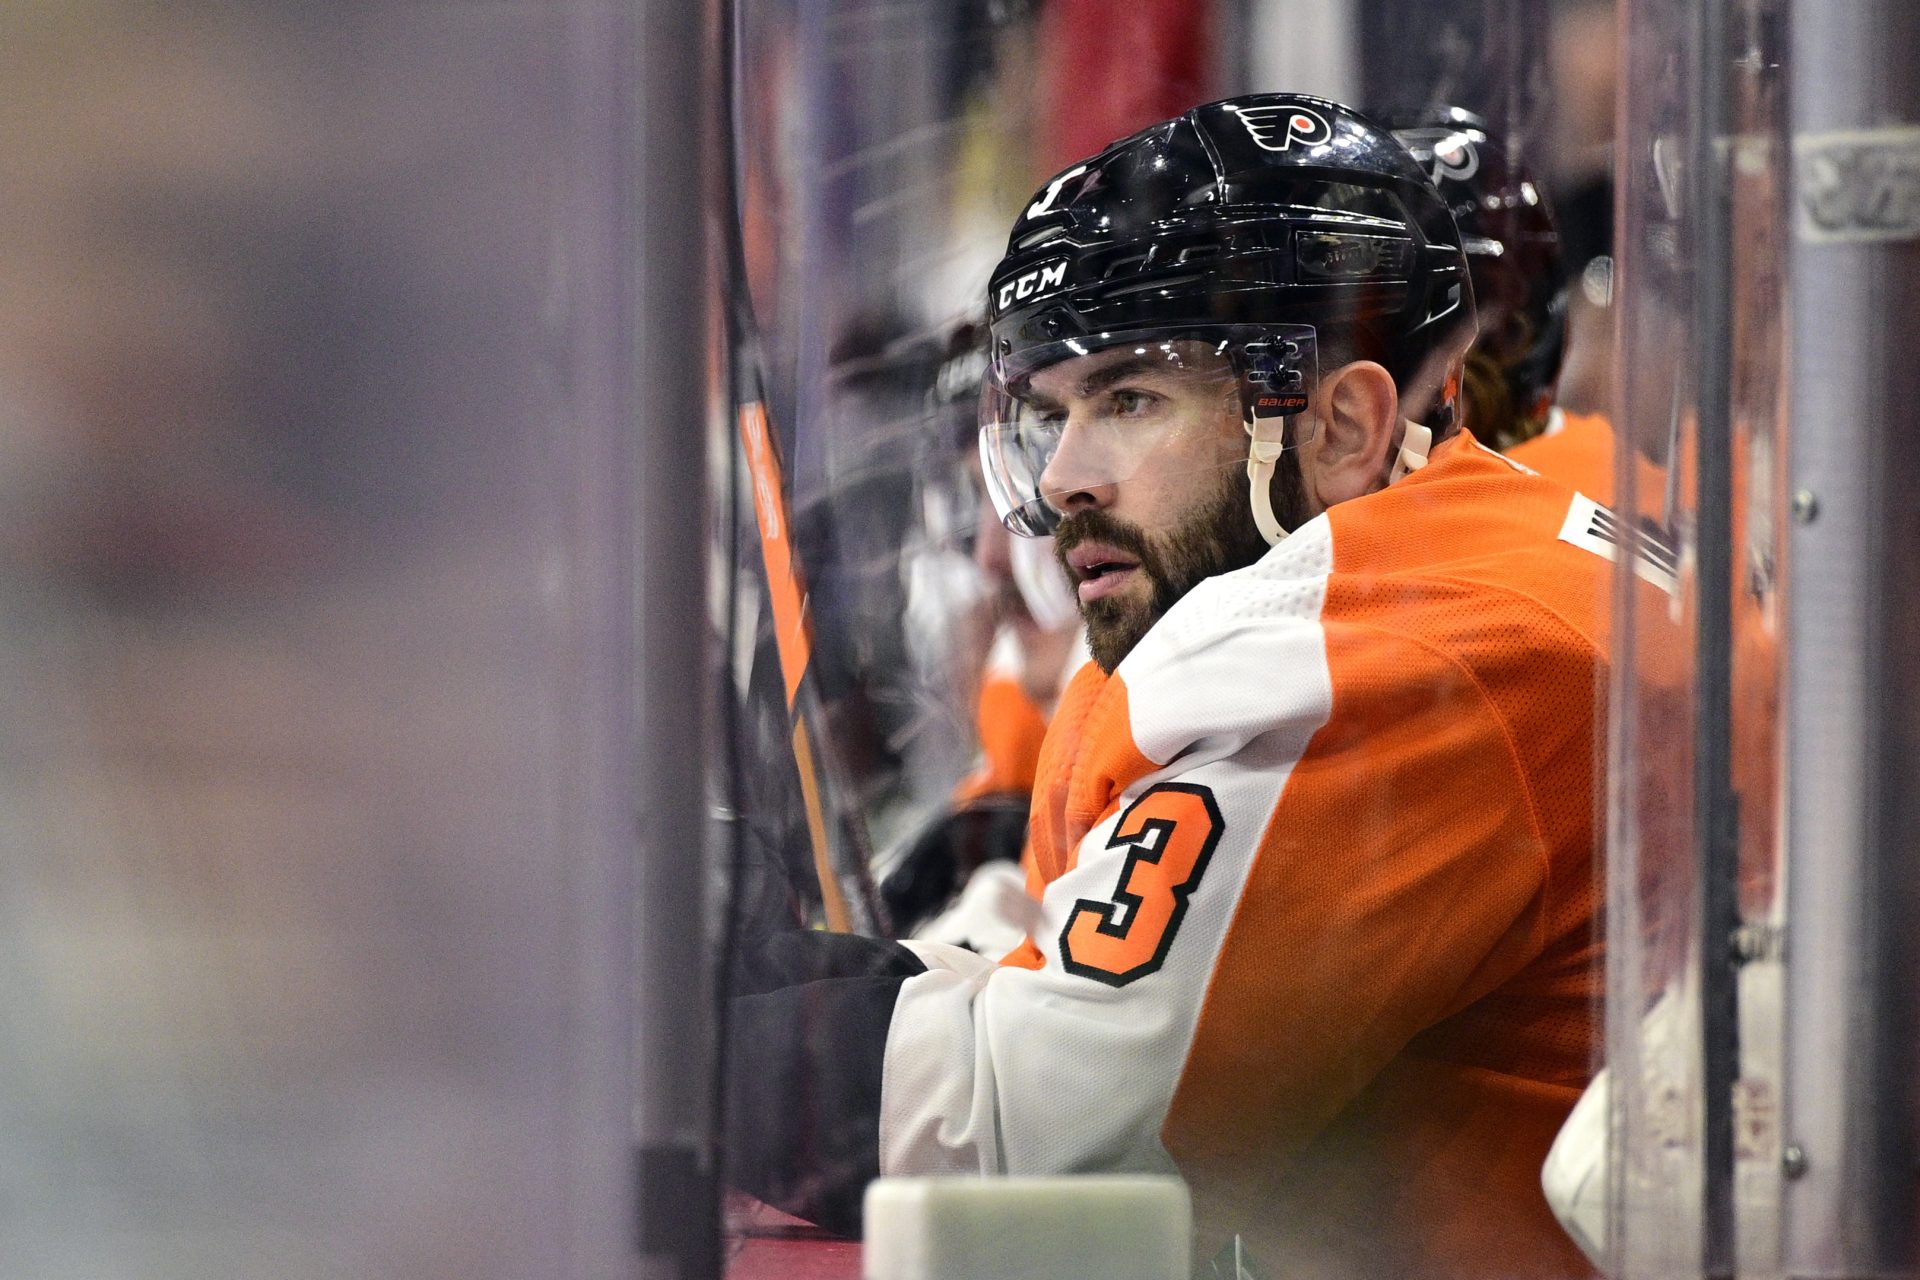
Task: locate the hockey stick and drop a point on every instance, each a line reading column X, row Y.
column 793, row 638
column 836, row 831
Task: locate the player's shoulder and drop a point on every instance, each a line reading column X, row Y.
column 1471, row 532
column 1472, row 547
column 1285, row 588
column 1238, row 656
column 1462, row 565
column 1468, row 500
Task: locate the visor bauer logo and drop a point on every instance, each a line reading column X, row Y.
column 1031, row 284
column 1278, row 128
column 1273, row 376
column 1448, row 154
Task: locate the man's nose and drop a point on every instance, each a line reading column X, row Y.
column 1078, row 476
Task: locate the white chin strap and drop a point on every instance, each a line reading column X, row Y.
column 1413, row 452
column 1263, row 454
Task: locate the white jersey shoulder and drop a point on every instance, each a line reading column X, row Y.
column 1240, row 655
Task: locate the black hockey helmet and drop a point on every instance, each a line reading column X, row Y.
column 1513, row 249
column 1272, row 227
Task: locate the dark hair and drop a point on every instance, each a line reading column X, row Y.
column 1429, row 408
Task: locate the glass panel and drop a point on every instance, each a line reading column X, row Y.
column 1653, row 1041
column 1670, row 652
column 1316, row 912
column 1759, row 419
column 317, row 761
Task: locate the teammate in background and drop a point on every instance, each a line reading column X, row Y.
column 1519, row 279
column 1034, row 616
column 1032, row 645
column 1521, row 289
column 1037, row 647
column 1314, row 831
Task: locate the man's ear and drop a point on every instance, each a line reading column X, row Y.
column 1359, row 417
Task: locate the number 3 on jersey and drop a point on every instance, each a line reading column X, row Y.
column 1171, row 832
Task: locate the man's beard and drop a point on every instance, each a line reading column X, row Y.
column 1218, row 537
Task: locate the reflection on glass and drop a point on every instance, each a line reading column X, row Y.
column 310, row 913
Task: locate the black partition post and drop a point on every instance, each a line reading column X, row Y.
column 667, row 101
column 1716, row 837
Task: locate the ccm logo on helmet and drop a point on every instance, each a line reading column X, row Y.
column 1277, row 128
column 1051, row 276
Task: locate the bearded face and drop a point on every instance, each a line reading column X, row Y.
column 1143, row 573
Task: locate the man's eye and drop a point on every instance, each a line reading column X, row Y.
column 1130, row 403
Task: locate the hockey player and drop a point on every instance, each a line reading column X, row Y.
column 1520, row 292
column 959, row 879
column 1314, row 833
column 1519, row 278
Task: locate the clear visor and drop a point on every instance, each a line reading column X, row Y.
column 1082, row 415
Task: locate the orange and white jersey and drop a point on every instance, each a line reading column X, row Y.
column 1317, row 921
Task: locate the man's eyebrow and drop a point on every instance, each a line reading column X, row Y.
column 1102, row 378
column 1120, row 370
column 1038, row 401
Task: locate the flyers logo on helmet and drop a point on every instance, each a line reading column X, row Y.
column 1449, row 154
column 1278, row 128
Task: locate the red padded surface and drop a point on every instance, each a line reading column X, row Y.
column 765, row 1244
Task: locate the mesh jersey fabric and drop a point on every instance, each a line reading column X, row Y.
column 1372, row 997
column 1581, row 454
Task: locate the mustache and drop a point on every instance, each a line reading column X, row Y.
column 1098, row 526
